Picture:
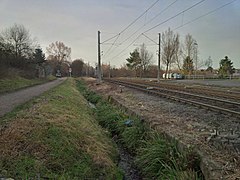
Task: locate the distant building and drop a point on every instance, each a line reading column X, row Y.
column 236, row 73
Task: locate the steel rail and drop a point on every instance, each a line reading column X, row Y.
column 152, row 90
column 229, row 94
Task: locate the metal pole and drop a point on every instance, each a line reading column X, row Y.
column 99, row 59
column 87, row 69
column 159, row 55
column 109, row 75
column 196, row 61
column 196, row 46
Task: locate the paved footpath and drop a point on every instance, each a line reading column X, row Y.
column 11, row 100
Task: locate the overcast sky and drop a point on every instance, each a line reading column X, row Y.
column 76, row 22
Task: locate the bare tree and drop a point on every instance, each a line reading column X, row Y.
column 189, row 47
column 145, row 57
column 59, row 52
column 178, row 58
column 170, row 46
column 18, row 40
column 209, row 62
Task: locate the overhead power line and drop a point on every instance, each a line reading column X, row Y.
column 150, row 39
column 206, row 14
column 126, row 39
column 109, row 49
column 149, row 21
column 182, row 12
column 118, row 35
column 185, row 10
column 110, row 38
column 161, row 12
column 127, row 46
column 128, row 26
column 139, row 16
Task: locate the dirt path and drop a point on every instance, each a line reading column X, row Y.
column 11, row 100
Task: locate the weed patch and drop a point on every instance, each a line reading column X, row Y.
column 161, row 159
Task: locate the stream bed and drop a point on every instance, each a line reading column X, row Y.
column 126, row 160
column 126, row 163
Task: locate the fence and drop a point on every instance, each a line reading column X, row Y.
column 214, row 76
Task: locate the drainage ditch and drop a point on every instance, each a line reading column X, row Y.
column 142, row 152
column 126, row 160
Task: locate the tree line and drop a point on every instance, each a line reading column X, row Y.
column 183, row 56
column 21, row 55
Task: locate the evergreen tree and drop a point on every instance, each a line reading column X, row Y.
column 226, row 67
column 134, row 61
column 187, row 65
column 39, row 56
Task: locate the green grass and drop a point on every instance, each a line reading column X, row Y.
column 154, row 155
column 17, row 82
column 161, row 159
column 56, row 136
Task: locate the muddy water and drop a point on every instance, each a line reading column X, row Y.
column 126, row 163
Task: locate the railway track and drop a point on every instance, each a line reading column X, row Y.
column 195, row 89
column 224, row 106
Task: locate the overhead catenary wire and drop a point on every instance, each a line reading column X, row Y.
column 128, row 26
column 185, row 10
column 161, row 12
column 126, row 39
column 127, row 46
column 109, row 49
column 149, row 21
column 155, row 43
column 110, row 38
column 110, row 43
column 206, row 14
column 139, row 16
column 182, row 24
column 150, row 39
column 118, row 35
